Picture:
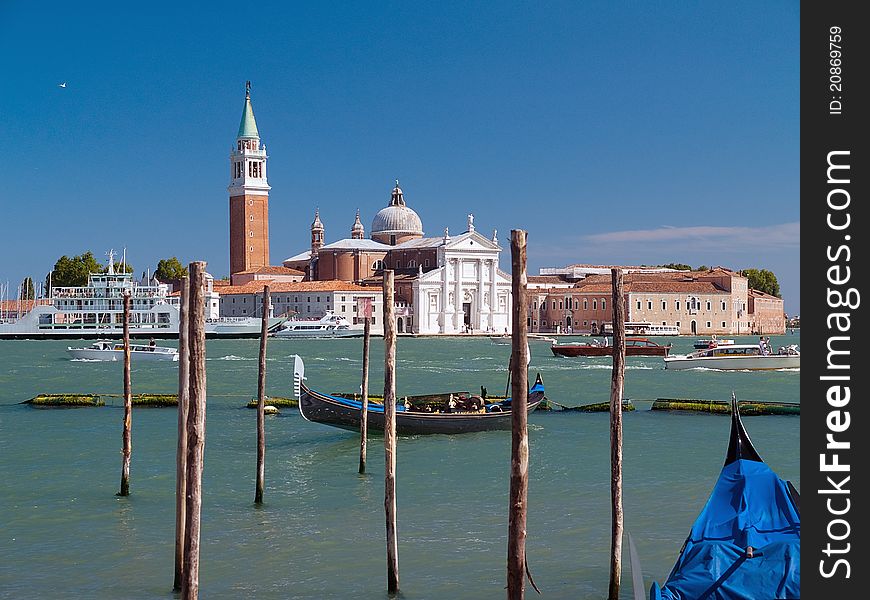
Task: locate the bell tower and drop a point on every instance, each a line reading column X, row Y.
column 249, row 196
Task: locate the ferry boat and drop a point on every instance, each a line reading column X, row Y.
column 642, row 328
column 328, row 326
column 96, row 311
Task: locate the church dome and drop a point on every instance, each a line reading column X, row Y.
column 396, row 221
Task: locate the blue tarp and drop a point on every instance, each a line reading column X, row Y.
column 750, row 506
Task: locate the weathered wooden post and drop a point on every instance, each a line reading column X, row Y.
column 364, row 417
column 127, row 448
column 181, row 449
column 519, row 364
column 261, row 401
column 195, row 431
column 390, row 433
column 616, row 385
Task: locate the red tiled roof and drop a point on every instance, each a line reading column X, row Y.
column 271, row 270
column 23, row 305
column 760, row 294
column 547, row 279
column 256, row 287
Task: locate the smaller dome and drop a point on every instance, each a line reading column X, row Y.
column 357, row 232
column 317, row 224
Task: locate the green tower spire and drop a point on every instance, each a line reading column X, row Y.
column 248, row 125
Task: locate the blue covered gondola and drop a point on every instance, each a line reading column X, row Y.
column 746, row 541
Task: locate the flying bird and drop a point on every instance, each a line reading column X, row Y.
column 63, row 85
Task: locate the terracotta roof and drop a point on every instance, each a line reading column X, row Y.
column 25, row 305
column 760, row 294
column 221, row 282
column 547, row 279
column 270, row 270
column 256, row 287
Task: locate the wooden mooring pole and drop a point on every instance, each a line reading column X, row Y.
column 195, row 431
column 390, row 433
column 519, row 365
column 616, row 386
column 364, row 390
column 127, row 448
column 181, row 448
column 261, row 401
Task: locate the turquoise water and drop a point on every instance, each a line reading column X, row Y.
column 320, row 533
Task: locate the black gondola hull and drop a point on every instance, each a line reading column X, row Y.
column 329, row 410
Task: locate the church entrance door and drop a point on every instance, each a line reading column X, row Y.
column 466, row 309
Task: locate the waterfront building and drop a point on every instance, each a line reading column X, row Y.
column 697, row 302
column 302, row 300
column 249, row 196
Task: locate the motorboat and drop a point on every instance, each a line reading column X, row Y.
column 114, row 351
column 703, row 343
column 603, row 347
column 737, row 357
column 329, row 325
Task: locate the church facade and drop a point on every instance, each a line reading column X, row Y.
column 443, row 284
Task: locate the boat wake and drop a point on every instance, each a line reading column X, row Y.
column 231, row 357
column 600, row 367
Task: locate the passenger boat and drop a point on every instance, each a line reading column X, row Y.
column 702, row 343
column 328, row 326
column 114, row 351
column 642, row 328
column 746, row 542
column 737, row 357
column 96, row 311
column 604, row 347
column 450, row 413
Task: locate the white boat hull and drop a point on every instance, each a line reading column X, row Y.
column 335, row 333
column 118, row 355
column 734, row 363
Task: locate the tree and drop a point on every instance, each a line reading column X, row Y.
column 27, row 291
column 677, row 266
column 703, row 268
column 169, row 269
column 762, row 280
column 74, row 271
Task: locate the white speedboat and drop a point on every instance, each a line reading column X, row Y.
column 328, row 326
column 703, row 343
column 114, row 351
column 737, row 357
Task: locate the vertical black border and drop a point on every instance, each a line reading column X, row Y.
column 823, row 131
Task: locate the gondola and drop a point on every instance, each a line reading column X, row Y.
column 412, row 416
column 746, row 541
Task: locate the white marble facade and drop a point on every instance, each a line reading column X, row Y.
column 466, row 292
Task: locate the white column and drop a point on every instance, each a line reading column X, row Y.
column 457, row 297
column 493, row 292
column 482, row 322
column 445, row 297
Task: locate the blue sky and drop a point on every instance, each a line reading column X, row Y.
column 613, row 132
